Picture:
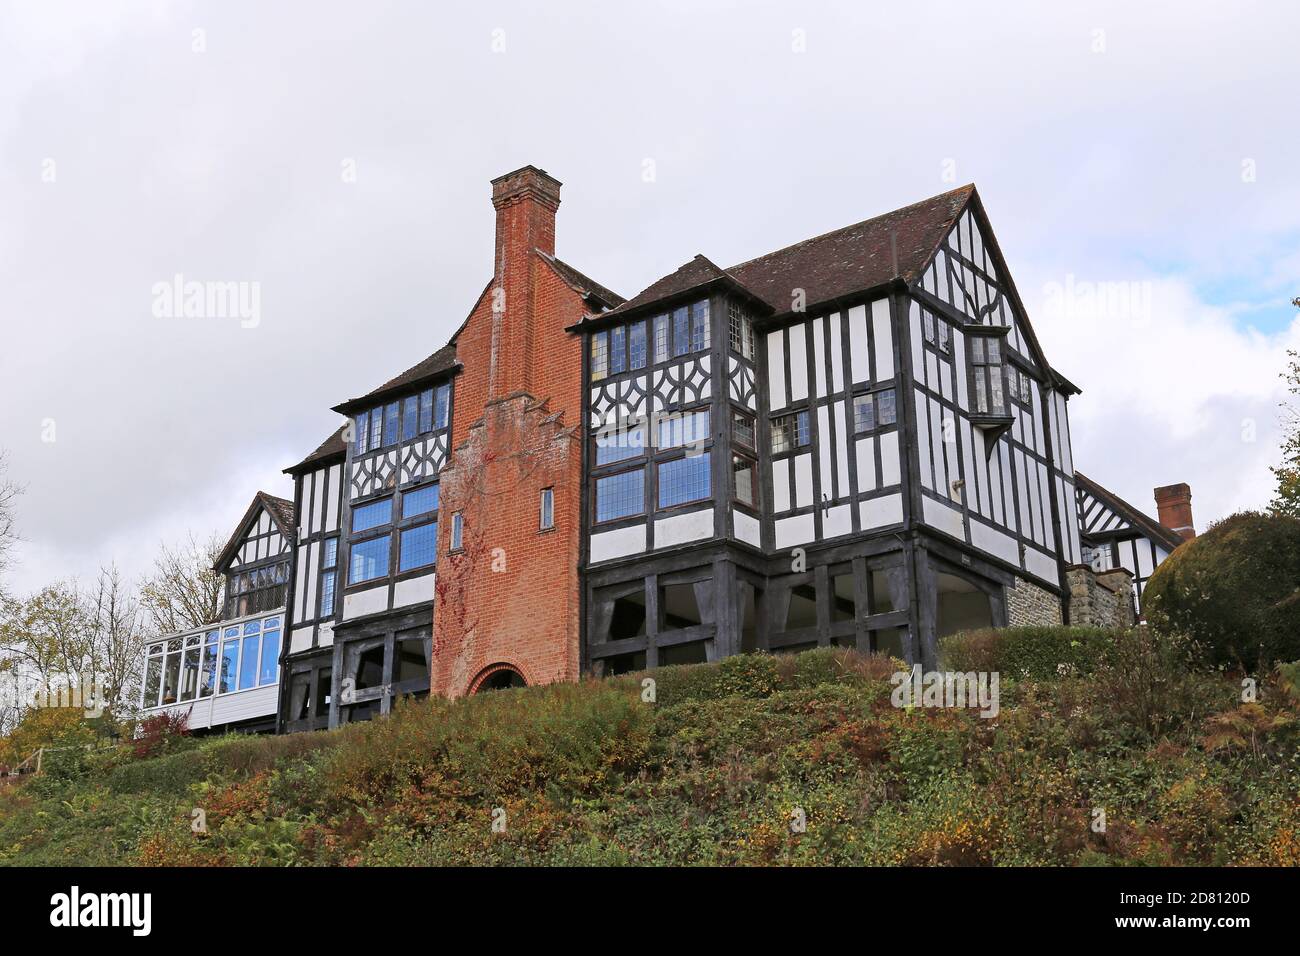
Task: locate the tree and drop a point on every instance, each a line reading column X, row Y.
column 116, row 639
column 1286, row 500
column 1235, row 590
column 183, row 591
column 9, row 492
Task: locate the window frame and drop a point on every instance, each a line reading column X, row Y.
column 802, row 424
column 546, row 510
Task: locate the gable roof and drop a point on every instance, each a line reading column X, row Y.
column 282, row 512
column 1165, row 537
column 331, row 448
column 695, row 275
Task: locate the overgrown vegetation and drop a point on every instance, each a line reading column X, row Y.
column 1235, row 591
column 718, row 766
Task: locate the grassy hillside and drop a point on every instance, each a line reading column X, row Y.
column 714, row 770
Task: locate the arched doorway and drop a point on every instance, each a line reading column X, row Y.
column 498, row 677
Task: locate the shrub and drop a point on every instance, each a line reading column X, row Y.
column 1235, row 590
column 159, row 734
column 1031, row 653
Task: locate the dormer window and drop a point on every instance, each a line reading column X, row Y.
column 986, row 375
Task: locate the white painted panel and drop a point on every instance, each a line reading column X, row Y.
column 923, row 438
column 335, row 483
column 803, row 481
column 369, row 601
column 304, row 519
column 312, row 568
column 994, row 542
column 918, row 352
column 1022, row 493
column 1002, row 450
column 319, row 503
column 1125, row 549
column 878, row 512
column 1145, row 567
column 824, row 447
column 973, row 494
column 618, row 543
column 300, row 586
column 866, row 452
column 798, row 362
column 797, row 529
column 747, row 528
column 325, row 634
column 843, row 437
column 931, row 371
column 945, row 380
column 959, row 361
column 882, row 340
column 837, row 521
column 263, row 522
column 889, row 468
column 418, row 590
column 679, row 529
column 837, row 352
column 859, row 358
column 1045, row 487
column 300, row 640
column 781, row 485
column 776, row 370
column 942, row 517
column 244, row 704
column 1043, row 565
column 819, row 356
column 937, row 435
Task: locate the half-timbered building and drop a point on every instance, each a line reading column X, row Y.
column 856, row 440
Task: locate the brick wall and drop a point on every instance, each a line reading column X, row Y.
column 1028, row 604
column 511, row 597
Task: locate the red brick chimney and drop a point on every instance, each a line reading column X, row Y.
column 525, row 201
column 1174, row 508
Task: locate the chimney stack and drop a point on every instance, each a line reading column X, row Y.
column 1174, row 508
column 525, row 201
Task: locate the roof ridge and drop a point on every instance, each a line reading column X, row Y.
column 968, row 188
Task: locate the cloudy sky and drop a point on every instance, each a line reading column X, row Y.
column 1139, row 163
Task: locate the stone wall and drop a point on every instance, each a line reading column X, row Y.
column 1028, row 604
column 1100, row 599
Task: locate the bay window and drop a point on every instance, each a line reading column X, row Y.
column 986, row 371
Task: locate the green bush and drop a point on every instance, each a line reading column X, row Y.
column 1235, row 590
column 1027, row 653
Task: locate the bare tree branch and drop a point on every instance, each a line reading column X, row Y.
column 183, row 591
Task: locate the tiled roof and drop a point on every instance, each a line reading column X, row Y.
column 584, row 286
column 1166, row 537
column 332, row 447
column 443, row 360
column 862, row 256
column 698, row 272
